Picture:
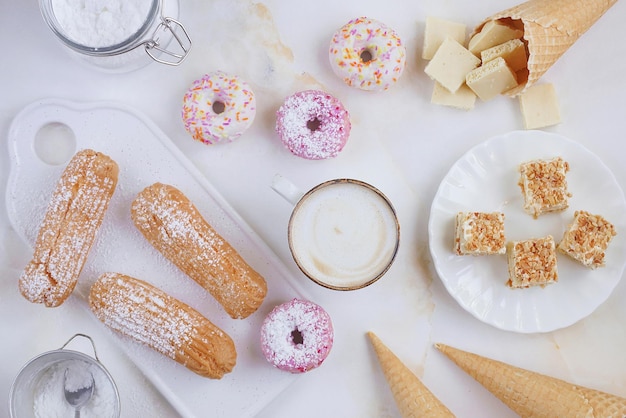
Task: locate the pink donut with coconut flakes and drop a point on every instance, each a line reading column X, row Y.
column 297, row 336
column 312, row 124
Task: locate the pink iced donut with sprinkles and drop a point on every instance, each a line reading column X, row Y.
column 297, row 336
column 367, row 54
column 313, row 124
column 218, row 107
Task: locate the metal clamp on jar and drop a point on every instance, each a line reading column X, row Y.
column 119, row 35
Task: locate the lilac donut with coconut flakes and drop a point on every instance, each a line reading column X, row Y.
column 313, row 124
column 297, row 336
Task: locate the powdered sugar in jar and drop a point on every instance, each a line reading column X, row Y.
column 119, row 35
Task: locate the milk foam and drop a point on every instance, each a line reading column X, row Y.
column 343, row 234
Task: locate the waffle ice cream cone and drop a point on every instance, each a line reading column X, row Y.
column 550, row 28
column 411, row 395
column 535, row 395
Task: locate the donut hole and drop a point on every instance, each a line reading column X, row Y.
column 297, row 337
column 366, row 56
column 313, row 124
column 218, row 107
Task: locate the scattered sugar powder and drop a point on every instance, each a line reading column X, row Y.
column 156, row 324
column 49, row 399
column 100, row 23
column 74, row 214
column 177, row 229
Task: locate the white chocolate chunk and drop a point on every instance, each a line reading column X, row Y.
column 437, row 30
column 513, row 52
column 450, row 64
column 464, row 98
column 491, row 79
column 540, row 106
column 493, row 33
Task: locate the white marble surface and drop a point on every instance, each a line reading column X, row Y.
column 400, row 142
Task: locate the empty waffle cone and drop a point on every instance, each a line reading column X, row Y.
column 535, row 395
column 412, row 397
column 550, row 28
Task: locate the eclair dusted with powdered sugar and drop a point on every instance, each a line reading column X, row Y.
column 173, row 225
column 146, row 314
column 66, row 235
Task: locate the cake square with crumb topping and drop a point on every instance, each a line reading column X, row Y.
column 586, row 239
column 532, row 262
column 544, row 186
column 479, row 233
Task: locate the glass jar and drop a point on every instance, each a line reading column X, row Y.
column 119, row 35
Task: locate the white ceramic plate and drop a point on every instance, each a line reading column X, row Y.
column 485, row 179
column 145, row 155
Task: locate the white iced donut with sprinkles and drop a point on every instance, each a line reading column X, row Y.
column 297, row 336
column 367, row 54
column 313, row 124
column 218, row 107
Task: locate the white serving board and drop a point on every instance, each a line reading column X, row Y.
column 145, row 155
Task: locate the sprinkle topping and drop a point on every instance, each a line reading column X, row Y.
column 218, row 107
column 367, row 54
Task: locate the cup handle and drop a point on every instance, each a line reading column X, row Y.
column 286, row 189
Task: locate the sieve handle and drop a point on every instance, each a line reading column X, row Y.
column 95, row 354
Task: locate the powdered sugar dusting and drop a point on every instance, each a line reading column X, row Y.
column 146, row 155
column 74, row 374
column 115, row 302
column 175, row 227
column 150, row 316
column 74, row 214
column 307, row 319
column 332, row 122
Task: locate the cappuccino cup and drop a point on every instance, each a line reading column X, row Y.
column 343, row 234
